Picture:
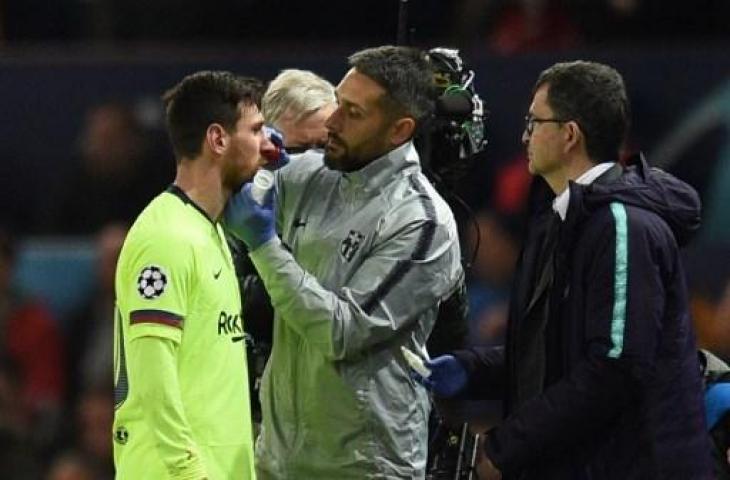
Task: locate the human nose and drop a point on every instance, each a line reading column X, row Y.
column 334, row 122
column 268, row 149
column 266, row 143
column 525, row 137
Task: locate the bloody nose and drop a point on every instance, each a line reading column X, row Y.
column 272, row 155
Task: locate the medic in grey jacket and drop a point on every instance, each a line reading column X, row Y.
column 367, row 252
column 364, row 259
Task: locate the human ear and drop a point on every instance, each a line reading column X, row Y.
column 402, row 130
column 216, row 138
column 573, row 135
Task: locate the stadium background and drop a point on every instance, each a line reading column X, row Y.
column 61, row 61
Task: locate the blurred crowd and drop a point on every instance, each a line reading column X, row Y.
column 502, row 26
column 56, row 373
column 56, row 403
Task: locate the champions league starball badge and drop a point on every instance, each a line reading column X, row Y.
column 151, row 282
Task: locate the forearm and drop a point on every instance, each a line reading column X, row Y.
column 360, row 314
column 576, row 408
column 485, row 372
column 299, row 299
column 157, row 385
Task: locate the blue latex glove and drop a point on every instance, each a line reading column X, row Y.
column 277, row 156
column 717, row 403
column 248, row 221
column 448, row 376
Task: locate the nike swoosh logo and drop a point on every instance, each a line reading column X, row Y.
column 218, row 274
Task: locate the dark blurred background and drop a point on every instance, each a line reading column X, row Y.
column 83, row 149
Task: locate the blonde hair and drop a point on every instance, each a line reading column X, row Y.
column 296, row 92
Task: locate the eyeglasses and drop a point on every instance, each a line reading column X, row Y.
column 294, row 149
column 531, row 120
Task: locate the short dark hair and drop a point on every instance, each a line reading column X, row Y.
column 594, row 96
column 404, row 72
column 201, row 99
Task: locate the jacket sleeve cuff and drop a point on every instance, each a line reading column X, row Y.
column 485, row 372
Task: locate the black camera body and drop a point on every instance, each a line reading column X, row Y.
column 451, row 139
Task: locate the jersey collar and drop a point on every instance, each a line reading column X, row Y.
column 179, row 193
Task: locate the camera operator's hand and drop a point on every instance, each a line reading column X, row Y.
column 448, row 376
column 485, row 468
column 249, row 221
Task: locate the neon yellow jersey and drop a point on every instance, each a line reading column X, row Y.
column 176, row 282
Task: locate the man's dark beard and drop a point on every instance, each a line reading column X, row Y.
column 333, row 164
column 345, row 163
column 328, row 161
column 348, row 165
